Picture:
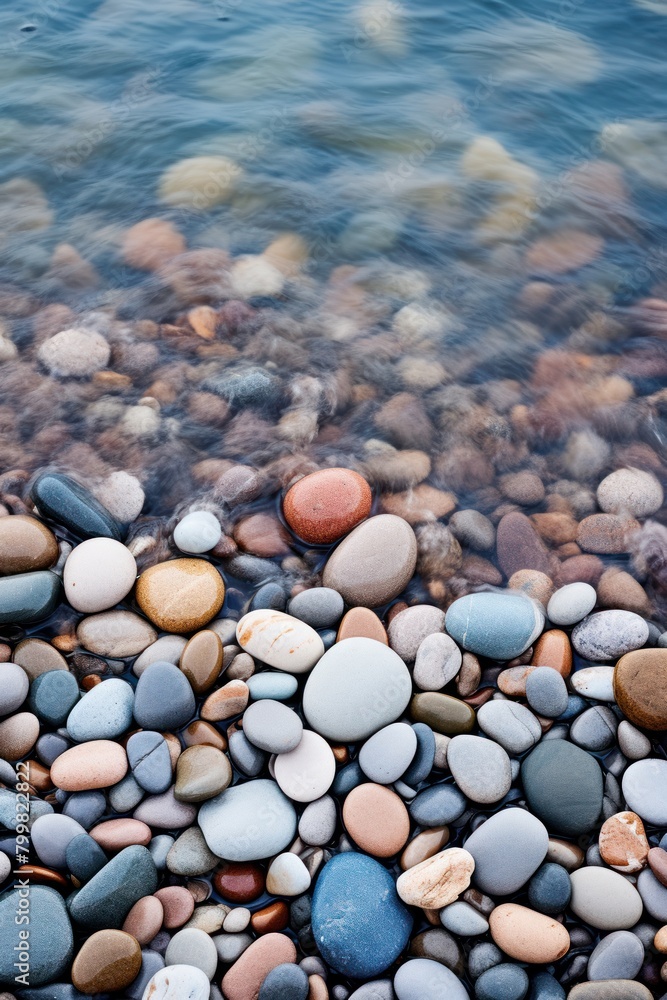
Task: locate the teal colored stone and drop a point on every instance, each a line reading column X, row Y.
column 50, row 937
column 499, row 626
column 277, row 686
column 563, row 785
column 104, row 713
column 107, row 899
column 28, row 597
column 67, row 503
column 53, row 696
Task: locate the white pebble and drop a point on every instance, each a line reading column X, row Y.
column 571, row 603
column 236, row 920
column 199, row 531
column 287, row 876
column 178, row 982
column 594, row 682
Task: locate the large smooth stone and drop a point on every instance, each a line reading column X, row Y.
column 94, row 764
column 374, row 563
column 47, row 931
column 424, row 979
column 98, row 573
column 180, row 595
column 26, row 545
column 563, row 785
column 66, row 502
column 607, row 635
column 640, row 687
column 508, row 848
column 358, row 686
column 248, row 822
column 500, row 626
column 604, row 899
column 571, row 603
column 103, row 713
column 359, row 924
column 527, row 935
column 280, row 640
column 645, row 790
column 619, row 955
column 109, row 896
column 28, row 597
column 388, row 754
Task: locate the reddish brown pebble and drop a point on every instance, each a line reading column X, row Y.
column 108, row 961
column 144, row 919
column 45, row 876
column 274, row 917
column 518, row 546
column 25, row 545
column 376, row 819
column 364, row 623
column 640, row 687
column 606, row 534
column 553, row 649
column 239, row 882
column 177, row 903
column 243, row 980
column 200, row 732
column 325, row 505
column 580, row 569
column 623, row 843
column 227, row 701
column 620, row 591
column 201, row 660
column 263, row 535
column 657, row 859
column 115, row 834
column 151, row 243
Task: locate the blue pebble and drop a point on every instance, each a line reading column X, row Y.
column 503, row 982
column 359, row 923
column 549, row 889
column 422, row 762
column 328, row 637
column 272, row 684
column 56, row 991
column 53, row 695
column 348, row 778
column 545, row 987
column 285, row 982
column 86, row 807
column 575, row 706
column 499, row 626
column 270, row 596
column 438, row 805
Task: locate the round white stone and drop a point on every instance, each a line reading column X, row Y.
column 178, row 982
column 594, row 682
column 194, row 948
column 604, row 899
column 287, row 876
column 571, row 603
column 634, row 491
column 280, row 640
column 199, row 531
column 305, row 774
column 98, row 574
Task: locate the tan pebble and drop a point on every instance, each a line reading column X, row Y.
column 177, row 903
column 440, row 758
column 201, row 773
column 512, row 681
column 523, row 487
column 438, row 880
column 469, row 676
column 204, row 321
column 18, row 735
column 108, row 961
column 376, row 819
column 151, row 243
column 660, row 939
column 423, row 846
column 534, row 584
column 361, row 622
column 26, row 545
column 243, row 980
column 180, row 595
column 96, row 764
column 564, row 853
column 623, row 842
column 227, row 701
column 144, row 919
column 527, row 935
column 618, row 590
column 562, row 251
column 208, row 918
column 201, row 660
column 115, row 633
column 606, row 534
column 317, row 988
column 115, row 834
column 241, row 668
column 423, row 503
column 555, row 527
column 553, row 649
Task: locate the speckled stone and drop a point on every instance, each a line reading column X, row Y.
column 640, row 687
column 607, row 635
column 26, row 545
column 500, row 626
column 374, row 562
column 325, row 505
column 104, row 713
column 571, row 603
column 546, row 692
column 408, row 629
column 437, row 662
column 180, row 595
column 115, row 633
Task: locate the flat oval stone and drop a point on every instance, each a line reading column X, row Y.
column 653, row 894
column 197, row 532
column 506, row 980
column 239, row 883
column 553, row 649
column 546, row 692
column 50, row 941
column 201, row 660
column 499, row 626
column 595, row 729
column 604, row 899
column 167, row 649
column 243, row 980
column 563, row 785
column 96, row 764
column 272, row 727
column 357, row 687
column 67, row 503
column 26, row 545
column 508, row 848
column 248, row 822
column 359, row 924
column 194, row 947
column 374, row 563
column 317, row 824
column 480, row 767
column 640, row 687
column 438, row 880
column 18, row 735
column 98, row 573
column 511, row 725
column 108, row 897
column 53, row 695
column 28, row 597
column 38, row 657
column 325, row 505
column 594, row 682
column 115, row 633
column 14, row 685
column 423, row 846
column 361, row 623
column 103, row 713
column 437, row 805
column 388, row 754
column 307, row 772
column 619, row 955
column 571, row 603
column 319, row 607
column 442, row 712
column 108, row 960
column 280, row 640
column 180, row 595
column 144, row 919
column 201, row 773
column 271, row 684
column 424, row 979
column 528, row 936
column 178, row 982
column 607, row 635
column 376, row 819
column 51, row 836
column 610, row 989
column 163, row 698
column 645, row 790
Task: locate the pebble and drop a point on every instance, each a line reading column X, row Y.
column 165, row 811
column 408, row 629
column 604, row 899
column 201, row 773
column 361, row 623
column 189, row 854
column 630, row 491
column 596, row 683
column 197, row 532
column 26, row 545
column 28, row 597
column 376, row 819
column 37, row 657
column 270, row 684
column 18, row 735
column 480, row 767
column 201, row 660
column 442, row 712
column 374, row 563
column 325, row 505
column 640, row 687
column 52, row 695
column 109, row 960
column 178, row 982
column 510, row 724
column 437, row 805
column 473, row 529
column 306, row 773
column 317, row 824
column 546, row 692
column 507, row 849
column 424, row 758
column 166, row 649
column 243, row 980
column 569, row 604
column 285, row 982
column 623, row 843
column 359, row 924
column 657, row 859
column 247, row 758
column 319, row 607
column 180, row 595
column 645, row 790
column 193, row 947
column 95, row 764
column 98, row 573
column 231, row 946
column 163, row 698
column 423, row 979
column 340, row 699
column 66, row 502
column 280, row 640
column 77, row 352
column 50, row 942
column 103, row 713
column 619, row 955
column 115, row 633
column 607, row 635
column 615, row 989
column 236, row 920
column 144, row 919
column 595, row 729
column 632, row 743
column 438, row 880
column 498, row 626
column 230, row 826
column 424, row 845
column 51, row 836
column 505, row 981
column 287, row 876
column 108, row 897
column 438, row 661
column 528, row 936
column 149, row 760
column 14, row 685
column 563, row 785
column 226, row 702
column 388, row 754
column 654, row 895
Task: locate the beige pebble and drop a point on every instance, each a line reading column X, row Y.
column 243, row 980
column 423, row 846
column 18, row 735
column 229, row 700
column 527, row 935
column 562, row 852
column 438, row 880
column 115, row 834
column 317, row 988
column 96, row 764
column 38, row 657
column 376, row 819
column 623, row 842
column 660, row 940
column 115, row 633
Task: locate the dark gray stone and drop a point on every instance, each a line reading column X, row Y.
column 563, row 785
column 422, row 762
column 86, row 807
column 66, row 502
column 28, row 597
column 438, row 805
column 107, row 899
column 53, row 695
column 503, row 982
column 549, row 890
column 84, row 857
column 163, row 697
column 285, row 982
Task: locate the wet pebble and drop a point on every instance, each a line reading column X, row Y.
column 510, row 724
column 98, row 573
column 508, row 848
column 163, row 697
column 68, row 503
column 201, row 773
column 438, row 661
column 180, row 595
column 373, row 564
column 108, row 960
column 197, row 532
column 640, row 687
column 28, row 597
column 325, row 505
column 26, row 545
column 499, row 626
